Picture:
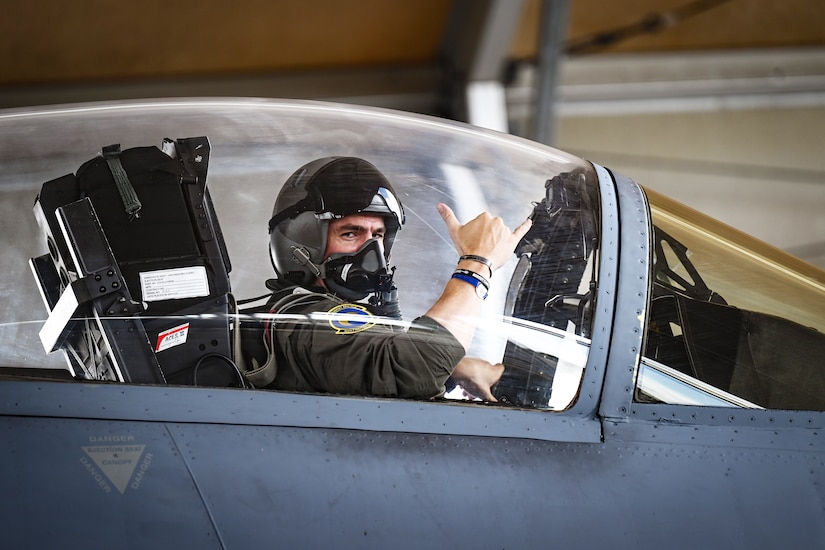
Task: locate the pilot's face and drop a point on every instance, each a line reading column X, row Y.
column 348, row 234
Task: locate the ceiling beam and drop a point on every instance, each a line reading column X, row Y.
column 474, row 52
column 552, row 35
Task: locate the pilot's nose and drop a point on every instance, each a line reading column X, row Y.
column 364, row 241
column 378, row 238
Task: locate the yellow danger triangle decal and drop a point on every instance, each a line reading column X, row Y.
column 118, row 462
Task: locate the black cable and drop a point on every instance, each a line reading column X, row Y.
column 227, row 360
column 649, row 24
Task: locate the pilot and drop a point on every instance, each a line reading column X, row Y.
column 331, row 233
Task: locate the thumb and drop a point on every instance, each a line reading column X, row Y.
column 448, row 216
column 523, row 228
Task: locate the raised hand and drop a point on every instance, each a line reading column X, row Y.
column 485, row 236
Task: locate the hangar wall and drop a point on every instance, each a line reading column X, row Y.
column 738, row 135
column 761, row 171
column 757, row 168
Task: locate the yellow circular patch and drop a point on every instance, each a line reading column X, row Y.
column 350, row 318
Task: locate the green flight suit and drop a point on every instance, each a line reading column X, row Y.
column 335, row 347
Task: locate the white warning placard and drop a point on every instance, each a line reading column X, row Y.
column 118, row 462
column 173, row 284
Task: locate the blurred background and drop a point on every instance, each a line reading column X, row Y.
column 717, row 103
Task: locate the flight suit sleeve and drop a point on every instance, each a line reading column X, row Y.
column 365, row 356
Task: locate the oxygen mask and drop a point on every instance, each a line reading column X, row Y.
column 355, row 275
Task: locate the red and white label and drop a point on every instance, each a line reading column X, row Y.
column 172, row 337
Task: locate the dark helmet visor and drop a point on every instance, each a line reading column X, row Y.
column 344, row 187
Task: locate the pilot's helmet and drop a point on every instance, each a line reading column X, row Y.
column 322, row 190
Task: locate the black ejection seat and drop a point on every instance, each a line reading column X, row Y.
column 136, row 280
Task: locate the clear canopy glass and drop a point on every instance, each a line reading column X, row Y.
column 257, row 144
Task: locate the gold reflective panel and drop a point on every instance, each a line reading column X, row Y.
column 734, row 312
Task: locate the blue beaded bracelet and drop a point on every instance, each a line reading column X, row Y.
column 481, row 284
